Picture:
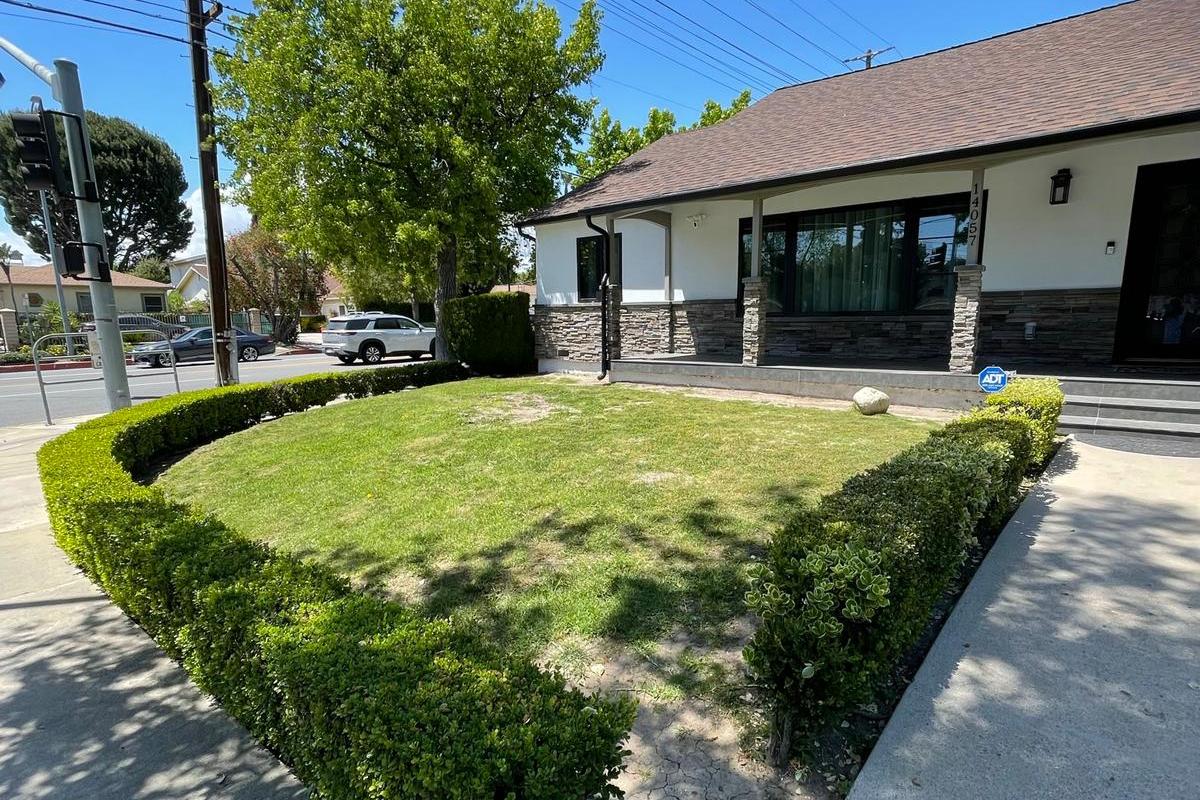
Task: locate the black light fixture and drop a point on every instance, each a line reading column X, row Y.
column 1060, row 187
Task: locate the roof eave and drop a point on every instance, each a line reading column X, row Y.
column 856, row 170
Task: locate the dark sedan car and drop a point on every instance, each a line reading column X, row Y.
column 197, row 345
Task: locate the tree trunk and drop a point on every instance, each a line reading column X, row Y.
column 779, row 747
column 447, row 287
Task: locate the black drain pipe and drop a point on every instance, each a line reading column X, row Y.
column 605, row 362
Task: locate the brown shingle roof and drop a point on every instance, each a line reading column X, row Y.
column 1136, row 64
column 44, row 276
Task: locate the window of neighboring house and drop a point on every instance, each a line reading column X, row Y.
column 83, row 302
column 589, row 264
column 152, row 303
column 34, row 300
column 893, row 257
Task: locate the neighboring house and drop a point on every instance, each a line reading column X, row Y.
column 34, row 287
column 193, row 284
column 336, row 301
column 179, row 267
column 1028, row 199
column 525, row 288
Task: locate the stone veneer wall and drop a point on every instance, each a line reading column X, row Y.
column 567, row 332
column 875, row 338
column 708, row 327
column 714, row 328
column 1074, row 326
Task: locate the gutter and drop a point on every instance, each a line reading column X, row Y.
column 605, row 362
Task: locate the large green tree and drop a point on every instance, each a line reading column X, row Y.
column 395, row 136
column 610, row 143
column 140, row 180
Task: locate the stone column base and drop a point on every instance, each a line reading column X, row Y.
column 964, row 335
column 754, row 322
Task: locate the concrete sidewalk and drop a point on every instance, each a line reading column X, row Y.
column 89, row 706
column 1070, row 668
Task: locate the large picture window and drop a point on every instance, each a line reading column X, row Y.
column 589, row 264
column 888, row 257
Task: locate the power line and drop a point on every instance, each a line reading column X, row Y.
column 656, row 51
column 863, row 25
column 175, row 20
column 797, row 33
column 647, row 92
column 765, row 38
column 700, row 55
column 824, row 25
column 781, row 73
column 98, row 20
column 756, row 82
column 227, row 26
column 52, row 21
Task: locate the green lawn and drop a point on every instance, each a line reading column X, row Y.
column 545, row 510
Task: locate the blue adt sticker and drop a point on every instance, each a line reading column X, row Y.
column 992, row 379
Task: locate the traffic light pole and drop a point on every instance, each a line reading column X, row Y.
column 64, row 83
column 91, row 232
column 224, row 339
column 56, row 260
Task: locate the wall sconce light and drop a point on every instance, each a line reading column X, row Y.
column 696, row 220
column 1060, row 187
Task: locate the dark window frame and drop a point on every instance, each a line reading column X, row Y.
column 162, row 303
column 912, row 208
column 591, row 241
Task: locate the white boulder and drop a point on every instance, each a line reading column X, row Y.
column 871, row 401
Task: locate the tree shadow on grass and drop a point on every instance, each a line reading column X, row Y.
column 688, row 570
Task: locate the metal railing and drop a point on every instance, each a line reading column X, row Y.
column 40, row 357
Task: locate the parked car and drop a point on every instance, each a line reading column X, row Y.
column 374, row 335
column 142, row 322
column 197, row 345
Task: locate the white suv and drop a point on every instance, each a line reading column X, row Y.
column 372, row 336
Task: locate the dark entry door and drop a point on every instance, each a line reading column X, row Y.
column 1160, row 295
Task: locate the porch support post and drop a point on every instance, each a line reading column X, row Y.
column 754, row 313
column 968, row 285
column 613, row 262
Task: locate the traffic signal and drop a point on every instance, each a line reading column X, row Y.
column 37, row 143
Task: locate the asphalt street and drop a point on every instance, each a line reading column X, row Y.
column 21, row 403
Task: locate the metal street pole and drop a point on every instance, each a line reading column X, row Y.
column 91, row 232
column 64, row 83
column 56, row 261
column 224, row 339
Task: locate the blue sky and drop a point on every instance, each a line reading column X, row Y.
column 148, row 80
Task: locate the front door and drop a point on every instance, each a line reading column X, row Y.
column 1160, row 295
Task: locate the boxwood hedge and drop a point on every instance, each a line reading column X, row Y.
column 492, row 332
column 361, row 696
column 848, row 587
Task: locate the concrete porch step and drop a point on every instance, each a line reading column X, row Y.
column 1133, row 408
column 1138, row 427
column 1134, row 388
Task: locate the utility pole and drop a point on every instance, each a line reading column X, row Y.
column 224, row 339
column 64, row 83
column 56, row 261
column 868, row 58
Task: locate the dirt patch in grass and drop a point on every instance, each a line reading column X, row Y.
column 515, row 408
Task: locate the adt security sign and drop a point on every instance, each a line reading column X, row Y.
column 992, row 379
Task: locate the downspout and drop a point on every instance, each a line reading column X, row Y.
column 604, row 359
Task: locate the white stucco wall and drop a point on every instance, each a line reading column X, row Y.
column 1028, row 244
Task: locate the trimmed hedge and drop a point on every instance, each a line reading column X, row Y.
column 361, row 696
column 491, row 333
column 1039, row 399
column 848, row 587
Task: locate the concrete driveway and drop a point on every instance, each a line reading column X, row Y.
column 1071, row 666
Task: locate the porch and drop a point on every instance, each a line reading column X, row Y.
column 1158, row 403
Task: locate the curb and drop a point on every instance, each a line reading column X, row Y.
column 48, row 366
